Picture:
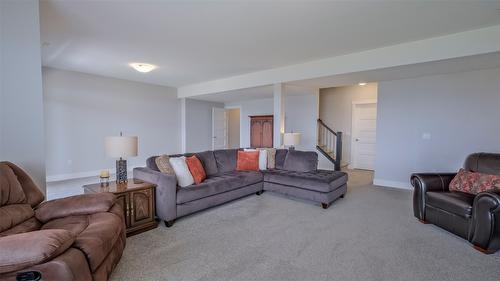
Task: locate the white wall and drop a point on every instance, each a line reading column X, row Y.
column 460, row 112
column 199, row 124
column 335, row 109
column 21, row 103
column 233, row 127
column 249, row 108
column 82, row 109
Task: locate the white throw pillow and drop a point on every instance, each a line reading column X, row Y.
column 184, row 177
column 262, row 158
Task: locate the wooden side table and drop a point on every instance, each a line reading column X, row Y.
column 137, row 199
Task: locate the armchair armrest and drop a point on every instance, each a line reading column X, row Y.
column 165, row 194
column 485, row 232
column 423, row 182
column 85, row 204
column 23, row 250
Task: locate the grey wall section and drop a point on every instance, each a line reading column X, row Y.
column 233, row 126
column 250, row 108
column 335, row 109
column 460, row 112
column 21, row 120
column 199, row 124
column 82, row 109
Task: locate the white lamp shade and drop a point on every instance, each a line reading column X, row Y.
column 292, row 139
column 117, row 147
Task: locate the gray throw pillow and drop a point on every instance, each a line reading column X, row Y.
column 301, row 161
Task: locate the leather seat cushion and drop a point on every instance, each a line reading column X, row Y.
column 319, row 180
column 73, row 224
column 14, row 214
column 218, row 184
column 458, row 203
column 99, row 238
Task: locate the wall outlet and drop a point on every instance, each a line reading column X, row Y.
column 426, row 136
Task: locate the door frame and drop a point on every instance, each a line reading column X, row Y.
column 352, row 164
column 240, row 132
column 213, row 129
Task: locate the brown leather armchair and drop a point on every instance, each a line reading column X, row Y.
column 75, row 238
column 472, row 217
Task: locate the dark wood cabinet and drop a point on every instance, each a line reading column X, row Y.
column 137, row 200
column 261, row 131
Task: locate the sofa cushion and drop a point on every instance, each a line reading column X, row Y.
column 151, row 163
column 301, row 161
column 207, row 158
column 163, row 164
column 26, row 249
column 28, row 225
column 474, row 182
column 271, row 157
column 248, row 161
column 184, row 177
column 11, row 191
column 458, row 203
column 226, row 160
column 196, row 169
column 73, row 224
column 218, row 184
column 280, row 158
column 99, row 237
column 319, row 180
column 14, row 214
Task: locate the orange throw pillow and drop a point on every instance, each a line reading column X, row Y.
column 196, row 169
column 248, row 161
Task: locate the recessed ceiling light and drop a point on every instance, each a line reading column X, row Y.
column 362, row 83
column 142, row 67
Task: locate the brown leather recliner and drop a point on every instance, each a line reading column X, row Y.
column 472, row 217
column 75, row 238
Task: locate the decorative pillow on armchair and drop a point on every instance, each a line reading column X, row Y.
column 474, row 183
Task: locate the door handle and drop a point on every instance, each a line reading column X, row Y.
column 357, row 139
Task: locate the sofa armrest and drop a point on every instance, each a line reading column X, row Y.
column 485, row 231
column 85, row 204
column 31, row 248
column 166, row 191
column 423, row 182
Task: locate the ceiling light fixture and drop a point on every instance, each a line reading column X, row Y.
column 142, row 67
column 362, row 83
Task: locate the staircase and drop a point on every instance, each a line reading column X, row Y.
column 329, row 144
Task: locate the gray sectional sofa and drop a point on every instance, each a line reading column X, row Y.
column 296, row 175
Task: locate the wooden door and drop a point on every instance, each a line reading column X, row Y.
column 142, row 210
column 261, row 131
column 123, row 200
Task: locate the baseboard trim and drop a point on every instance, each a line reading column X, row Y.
column 392, row 184
column 87, row 174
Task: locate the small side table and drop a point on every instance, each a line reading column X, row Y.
column 136, row 198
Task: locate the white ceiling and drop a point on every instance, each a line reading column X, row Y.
column 194, row 41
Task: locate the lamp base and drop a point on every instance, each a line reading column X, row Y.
column 121, row 171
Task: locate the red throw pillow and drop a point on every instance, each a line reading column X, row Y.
column 196, row 169
column 474, row 183
column 248, row 161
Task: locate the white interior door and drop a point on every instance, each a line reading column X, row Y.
column 364, row 135
column 219, row 128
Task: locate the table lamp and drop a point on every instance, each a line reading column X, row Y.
column 292, row 139
column 121, row 147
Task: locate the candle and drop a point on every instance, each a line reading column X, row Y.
column 104, row 174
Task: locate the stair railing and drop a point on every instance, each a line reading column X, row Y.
column 330, row 144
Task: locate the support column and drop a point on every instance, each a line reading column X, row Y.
column 279, row 114
column 183, row 126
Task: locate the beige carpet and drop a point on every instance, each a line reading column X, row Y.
column 369, row 235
